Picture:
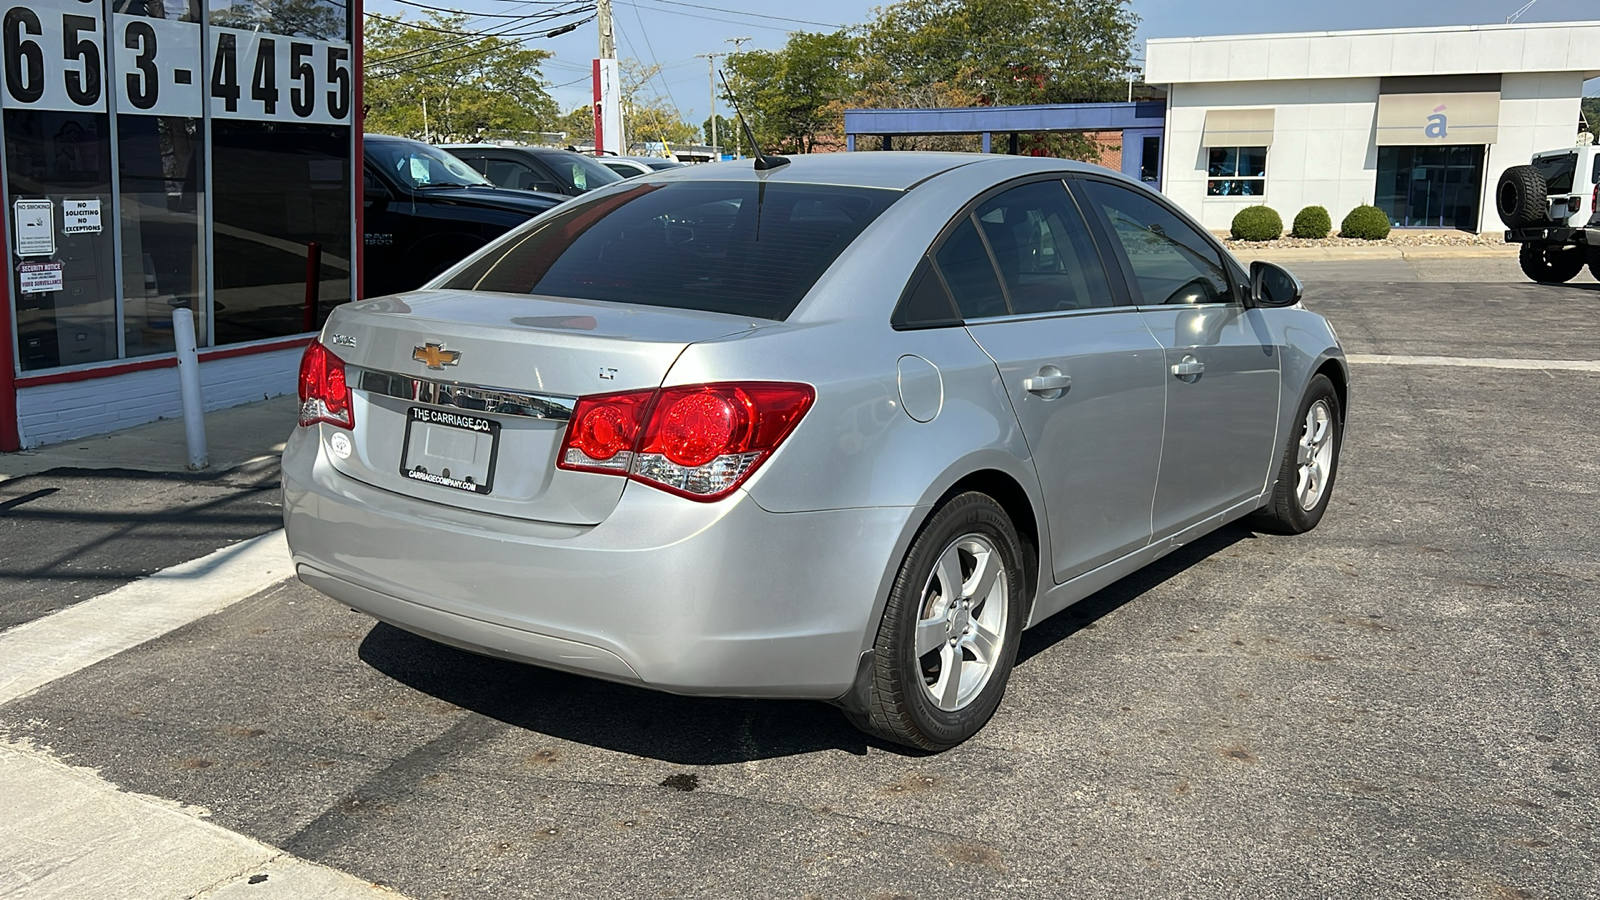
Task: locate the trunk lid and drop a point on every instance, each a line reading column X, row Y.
column 469, row 392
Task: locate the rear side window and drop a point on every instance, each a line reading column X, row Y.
column 731, row 247
column 967, row 268
column 1558, row 172
column 1044, row 251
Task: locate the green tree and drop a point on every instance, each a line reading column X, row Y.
column 727, row 132
column 1004, row 52
column 311, row 18
column 1591, row 113
column 578, row 124
column 436, row 80
column 941, row 53
column 794, row 97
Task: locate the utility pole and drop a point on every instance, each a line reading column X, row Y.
column 607, row 87
column 737, row 43
column 711, row 80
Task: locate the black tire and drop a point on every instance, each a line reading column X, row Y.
column 1594, row 262
column 1286, row 513
column 1551, row 263
column 902, row 708
column 1520, row 197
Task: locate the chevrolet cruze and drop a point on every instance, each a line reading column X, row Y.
column 838, row 428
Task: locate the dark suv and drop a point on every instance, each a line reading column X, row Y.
column 535, row 168
column 426, row 209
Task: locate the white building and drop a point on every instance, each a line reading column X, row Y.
column 1420, row 121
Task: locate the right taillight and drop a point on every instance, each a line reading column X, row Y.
column 324, row 395
column 698, row 441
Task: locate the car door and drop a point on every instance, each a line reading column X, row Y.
column 388, row 223
column 1222, row 378
column 1083, row 374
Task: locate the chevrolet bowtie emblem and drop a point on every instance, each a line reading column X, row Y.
column 435, row 356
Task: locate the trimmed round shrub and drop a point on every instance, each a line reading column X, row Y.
column 1367, row 223
column 1312, row 222
column 1257, row 223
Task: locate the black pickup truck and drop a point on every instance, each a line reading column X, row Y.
column 425, row 209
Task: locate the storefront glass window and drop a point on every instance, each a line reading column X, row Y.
column 1430, row 187
column 123, row 206
column 160, row 163
column 281, row 190
column 1236, row 172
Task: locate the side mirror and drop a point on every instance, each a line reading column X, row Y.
column 1273, row 286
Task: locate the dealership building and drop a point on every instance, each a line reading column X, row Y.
column 1420, row 122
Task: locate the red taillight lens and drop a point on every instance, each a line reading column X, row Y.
column 699, row 441
column 324, row 395
column 604, row 432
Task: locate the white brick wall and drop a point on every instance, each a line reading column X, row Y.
column 51, row 413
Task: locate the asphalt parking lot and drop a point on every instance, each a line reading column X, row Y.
column 1402, row 703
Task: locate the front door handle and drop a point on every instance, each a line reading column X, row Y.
column 1189, row 367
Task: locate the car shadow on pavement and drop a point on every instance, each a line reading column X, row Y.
column 696, row 731
column 1086, row 612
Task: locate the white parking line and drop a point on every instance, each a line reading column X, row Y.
column 1476, row 362
column 67, row 833
column 36, row 653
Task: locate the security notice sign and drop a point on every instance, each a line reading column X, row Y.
column 36, row 231
column 80, row 217
column 39, row 278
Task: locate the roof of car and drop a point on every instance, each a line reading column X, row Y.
column 896, row 170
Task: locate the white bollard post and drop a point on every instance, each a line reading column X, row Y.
column 194, row 424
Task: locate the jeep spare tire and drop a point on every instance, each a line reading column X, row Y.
column 1520, row 197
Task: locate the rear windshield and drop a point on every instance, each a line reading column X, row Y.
column 1557, row 171
column 733, row 247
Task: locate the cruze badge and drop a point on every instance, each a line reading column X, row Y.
column 435, row 356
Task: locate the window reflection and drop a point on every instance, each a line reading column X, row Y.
column 321, row 19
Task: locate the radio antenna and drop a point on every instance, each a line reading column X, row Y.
column 763, row 162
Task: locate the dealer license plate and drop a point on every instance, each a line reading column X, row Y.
column 450, row 449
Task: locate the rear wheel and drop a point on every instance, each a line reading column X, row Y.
column 1594, row 262
column 1551, row 263
column 949, row 634
column 1520, row 197
column 1310, row 462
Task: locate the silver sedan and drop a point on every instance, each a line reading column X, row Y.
column 838, row 428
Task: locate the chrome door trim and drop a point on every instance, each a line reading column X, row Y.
column 453, row 395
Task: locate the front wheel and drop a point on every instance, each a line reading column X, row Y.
column 1550, row 264
column 1594, row 262
column 950, row 629
column 1310, row 462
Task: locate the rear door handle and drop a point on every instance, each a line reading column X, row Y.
column 1189, row 367
column 1044, row 384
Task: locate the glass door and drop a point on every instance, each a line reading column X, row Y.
column 1431, row 187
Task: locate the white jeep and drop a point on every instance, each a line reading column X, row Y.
column 1552, row 208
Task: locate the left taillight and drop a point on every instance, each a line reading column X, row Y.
column 698, row 441
column 324, row 395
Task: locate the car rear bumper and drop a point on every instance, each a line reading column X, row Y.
column 721, row 599
column 1559, row 234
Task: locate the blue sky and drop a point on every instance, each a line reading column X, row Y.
column 671, row 33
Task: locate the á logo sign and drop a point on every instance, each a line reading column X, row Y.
column 1438, row 124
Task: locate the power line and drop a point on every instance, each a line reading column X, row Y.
column 507, row 30
column 674, row 12
column 477, row 15
column 740, row 12
column 391, row 61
